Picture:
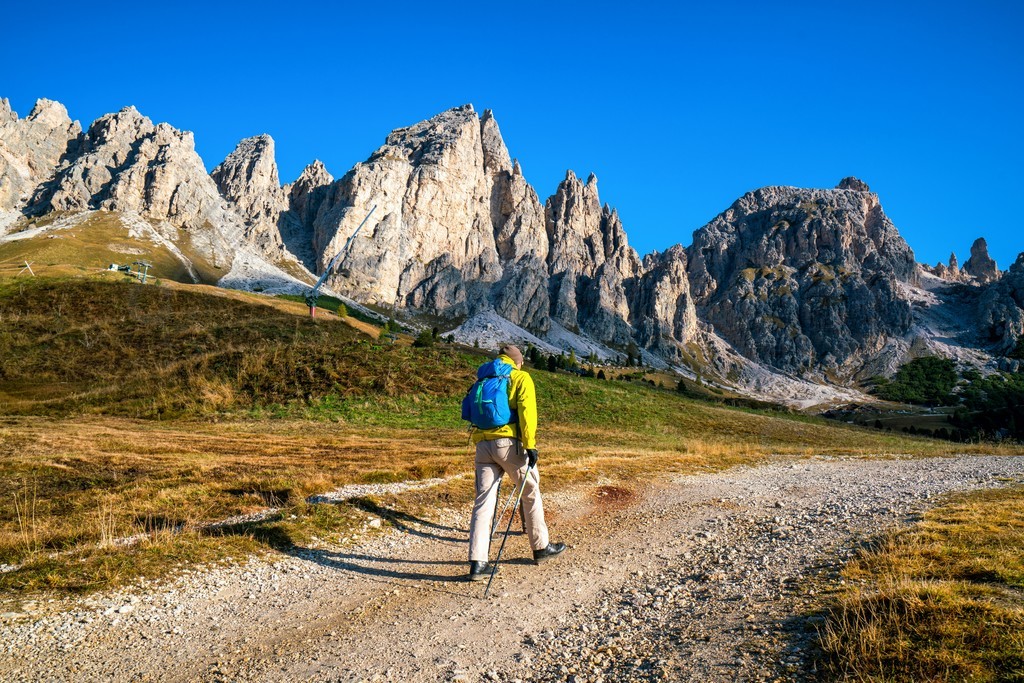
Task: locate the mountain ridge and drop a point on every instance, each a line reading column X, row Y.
column 805, row 283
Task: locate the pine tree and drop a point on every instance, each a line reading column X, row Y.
column 424, row 339
column 1018, row 349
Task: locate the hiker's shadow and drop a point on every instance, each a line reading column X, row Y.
column 410, row 524
column 386, row 568
column 382, row 567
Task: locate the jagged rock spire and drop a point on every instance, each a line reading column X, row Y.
column 589, row 260
column 308, row 191
column 980, row 265
column 248, row 178
column 855, row 184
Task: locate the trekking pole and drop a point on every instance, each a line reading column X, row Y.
column 497, row 517
column 494, row 570
column 497, row 502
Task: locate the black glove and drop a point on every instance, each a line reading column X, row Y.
column 531, row 457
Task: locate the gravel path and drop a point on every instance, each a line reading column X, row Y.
column 697, row 579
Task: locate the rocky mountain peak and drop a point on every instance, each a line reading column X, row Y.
column 662, row 309
column 590, row 260
column 438, row 186
column 314, row 174
column 574, row 226
column 1000, row 303
column 855, row 184
column 125, row 163
column 248, row 178
column 50, row 113
column 799, row 278
column 954, row 264
column 980, row 265
column 307, row 193
column 107, row 149
column 427, row 142
column 31, row 148
column 118, row 129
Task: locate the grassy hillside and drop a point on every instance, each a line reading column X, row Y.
column 154, row 410
column 117, row 347
column 90, row 245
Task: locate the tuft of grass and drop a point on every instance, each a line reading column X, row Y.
column 943, row 600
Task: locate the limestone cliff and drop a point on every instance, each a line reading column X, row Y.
column 304, row 197
column 590, row 261
column 125, row 163
column 448, row 197
column 662, row 309
column 31, row 148
column 1001, row 308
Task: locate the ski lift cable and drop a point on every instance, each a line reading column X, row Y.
column 314, row 293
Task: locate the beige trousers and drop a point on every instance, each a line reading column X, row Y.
column 494, row 458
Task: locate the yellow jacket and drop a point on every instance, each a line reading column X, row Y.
column 522, row 398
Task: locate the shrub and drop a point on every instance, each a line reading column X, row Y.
column 928, row 381
column 425, row 339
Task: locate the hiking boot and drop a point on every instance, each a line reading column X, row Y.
column 478, row 571
column 547, row 553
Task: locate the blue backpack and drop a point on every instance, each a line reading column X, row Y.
column 486, row 403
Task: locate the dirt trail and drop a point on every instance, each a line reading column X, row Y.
column 694, row 579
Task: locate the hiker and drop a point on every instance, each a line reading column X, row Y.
column 507, row 448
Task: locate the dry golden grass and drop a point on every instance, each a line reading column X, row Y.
column 941, row 601
column 81, row 482
column 268, row 408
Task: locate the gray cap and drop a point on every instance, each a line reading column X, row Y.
column 513, row 352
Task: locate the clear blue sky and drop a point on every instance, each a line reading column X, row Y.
column 678, row 109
